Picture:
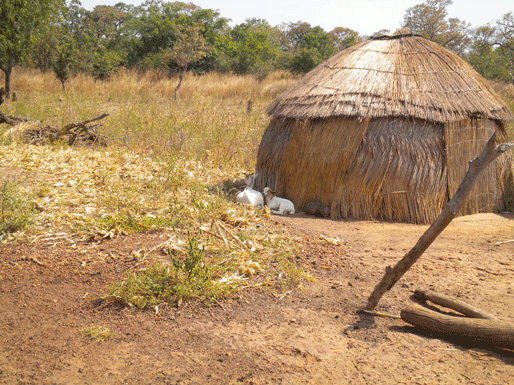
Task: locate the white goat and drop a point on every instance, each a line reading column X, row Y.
column 250, row 196
column 277, row 205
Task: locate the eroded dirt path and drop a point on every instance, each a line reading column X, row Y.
column 312, row 335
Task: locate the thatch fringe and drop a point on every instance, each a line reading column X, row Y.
column 394, row 76
column 465, row 140
column 398, row 174
column 271, row 151
column 390, row 169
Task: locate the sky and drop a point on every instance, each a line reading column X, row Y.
column 364, row 16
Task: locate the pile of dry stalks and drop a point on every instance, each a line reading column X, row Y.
column 81, row 134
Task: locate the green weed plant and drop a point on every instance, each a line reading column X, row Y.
column 16, row 209
column 170, row 283
column 96, row 332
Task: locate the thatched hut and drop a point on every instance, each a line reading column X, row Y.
column 385, row 130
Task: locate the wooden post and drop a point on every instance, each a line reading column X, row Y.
column 392, row 275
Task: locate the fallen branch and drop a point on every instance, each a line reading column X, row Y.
column 392, row 275
column 66, row 129
column 494, row 332
column 13, row 120
column 379, row 314
column 454, row 304
column 502, row 242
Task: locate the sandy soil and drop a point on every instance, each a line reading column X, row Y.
column 312, row 335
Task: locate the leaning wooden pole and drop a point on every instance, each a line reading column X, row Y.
column 392, row 275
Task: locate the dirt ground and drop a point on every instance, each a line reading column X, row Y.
column 311, row 335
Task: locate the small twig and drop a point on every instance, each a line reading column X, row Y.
column 232, row 235
column 502, row 242
column 393, row 192
column 282, row 296
column 55, row 238
column 212, row 234
column 32, row 259
column 219, row 304
column 221, row 234
column 489, row 271
column 377, row 314
column 165, row 243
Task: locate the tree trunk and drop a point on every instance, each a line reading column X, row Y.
column 8, row 73
column 392, row 275
column 511, row 72
column 493, row 332
column 181, row 77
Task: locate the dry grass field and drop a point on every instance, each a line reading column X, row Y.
column 132, row 264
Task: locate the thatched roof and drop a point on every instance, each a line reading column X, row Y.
column 400, row 75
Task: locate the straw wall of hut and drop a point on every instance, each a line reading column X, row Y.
column 385, row 130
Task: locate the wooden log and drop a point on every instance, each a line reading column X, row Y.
column 454, row 304
column 393, row 275
column 492, row 332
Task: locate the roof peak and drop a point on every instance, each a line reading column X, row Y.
column 398, row 34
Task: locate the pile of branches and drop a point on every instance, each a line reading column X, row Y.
column 81, row 133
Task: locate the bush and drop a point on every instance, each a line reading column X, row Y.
column 161, row 283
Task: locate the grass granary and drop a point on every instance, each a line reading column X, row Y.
column 385, row 130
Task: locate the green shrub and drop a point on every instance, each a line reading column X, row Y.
column 16, row 210
column 161, row 283
column 96, row 332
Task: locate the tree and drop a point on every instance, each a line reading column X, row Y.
column 152, row 27
column 490, row 62
column 45, row 40
column 62, row 64
column 309, row 46
column 295, row 33
column 344, row 38
column 504, row 38
column 189, row 48
column 491, row 51
column 250, row 47
column 20, row 20
column 429, row 19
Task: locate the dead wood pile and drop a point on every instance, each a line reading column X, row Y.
column 79, row 134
